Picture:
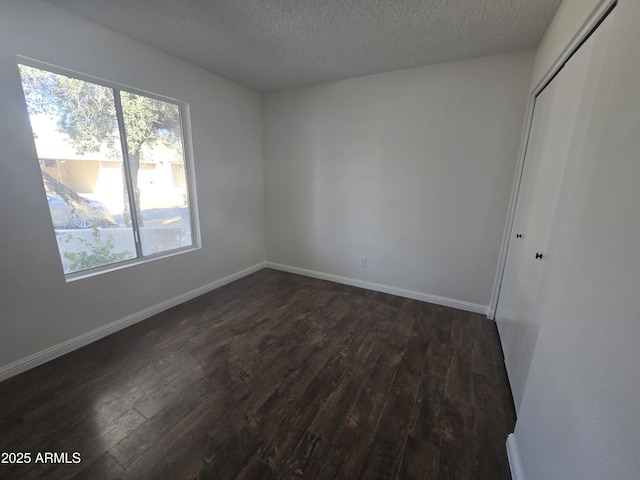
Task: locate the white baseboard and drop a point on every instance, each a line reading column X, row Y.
column 401, row 292
column 63, row 348
column 514, row 458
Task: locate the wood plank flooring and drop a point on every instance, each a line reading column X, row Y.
column 275, row 376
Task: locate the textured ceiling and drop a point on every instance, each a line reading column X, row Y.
column 275, row 44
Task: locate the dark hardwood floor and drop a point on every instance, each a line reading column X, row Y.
column 275, row 376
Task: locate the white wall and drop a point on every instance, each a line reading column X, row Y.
column 411, row 169
column 38, row 309
column 580, row 414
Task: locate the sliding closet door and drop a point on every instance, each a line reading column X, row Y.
column 548, row 148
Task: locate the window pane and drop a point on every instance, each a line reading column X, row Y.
column 76, row 136
column 156, row 157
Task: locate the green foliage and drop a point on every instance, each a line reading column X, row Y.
column 83, row 110
column 96, row 253
column 86, row 112
column 148, row 120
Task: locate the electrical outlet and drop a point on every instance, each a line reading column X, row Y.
column 363, row 262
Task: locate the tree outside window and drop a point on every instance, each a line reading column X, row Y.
column 113, row 168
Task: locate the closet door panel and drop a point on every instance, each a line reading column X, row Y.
column 548, row 148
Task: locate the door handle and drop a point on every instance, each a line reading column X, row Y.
column 538, row 256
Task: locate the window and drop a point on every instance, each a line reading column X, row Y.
column 113, row 168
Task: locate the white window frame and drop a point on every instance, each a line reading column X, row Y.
column 189, row 168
